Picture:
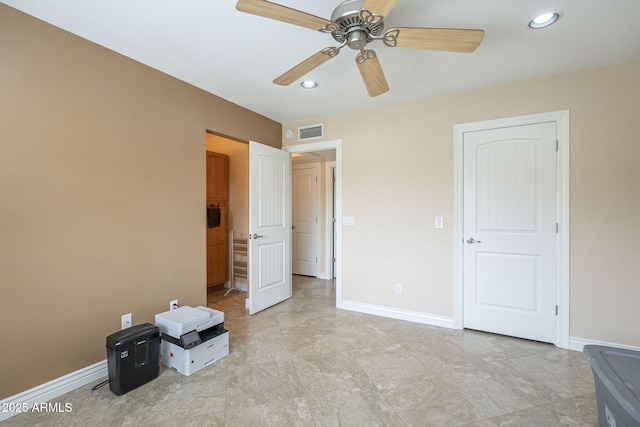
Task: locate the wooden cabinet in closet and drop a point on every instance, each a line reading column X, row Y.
column 218, row 236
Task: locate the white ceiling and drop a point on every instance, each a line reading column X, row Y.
column 313, row 157
column 234, row 55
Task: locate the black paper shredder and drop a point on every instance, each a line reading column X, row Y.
column 133, row 357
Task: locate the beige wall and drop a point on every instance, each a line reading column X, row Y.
column 102, row 189
column 238, row 153
column 398, row 176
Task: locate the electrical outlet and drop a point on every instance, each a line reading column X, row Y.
column 173, row 304
column 126, row 321
column 398, row 288
column 247, row 303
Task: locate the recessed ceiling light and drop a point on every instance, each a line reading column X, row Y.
column 544, row 20
column 308, row 84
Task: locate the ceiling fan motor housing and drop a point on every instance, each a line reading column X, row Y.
column 352, row 28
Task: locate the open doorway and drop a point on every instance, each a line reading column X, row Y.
column 313, row 213
column 226, row 257
column 331, row 210
column 328, row 158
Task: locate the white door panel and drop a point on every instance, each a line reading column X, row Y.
column 302, row 252
column 510, row 231
column 269, row 226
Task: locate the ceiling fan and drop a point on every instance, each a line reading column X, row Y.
column 356, row 23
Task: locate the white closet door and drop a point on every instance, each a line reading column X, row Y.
column 510, row 231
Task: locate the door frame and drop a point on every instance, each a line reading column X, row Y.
column 330, row 254
column 337, row 146
column 561, row 118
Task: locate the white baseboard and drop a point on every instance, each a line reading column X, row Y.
column 395, row 313
column 578, row 344
column 575, row 343
column 55, row 388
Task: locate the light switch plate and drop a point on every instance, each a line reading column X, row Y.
column 349, row 221
column 439, row 222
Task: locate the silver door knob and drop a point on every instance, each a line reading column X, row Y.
column 256, row 236
column 471, row 241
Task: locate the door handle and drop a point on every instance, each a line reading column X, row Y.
column 255, row 236
column 471, row 241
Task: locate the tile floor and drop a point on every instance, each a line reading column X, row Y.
column 305, row 363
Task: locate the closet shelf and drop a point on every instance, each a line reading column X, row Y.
column 239, row 260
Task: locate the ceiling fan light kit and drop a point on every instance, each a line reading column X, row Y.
column 356, row 23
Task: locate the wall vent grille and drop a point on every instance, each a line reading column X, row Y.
column 311, row 132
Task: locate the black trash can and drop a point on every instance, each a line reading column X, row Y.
column 133, row 357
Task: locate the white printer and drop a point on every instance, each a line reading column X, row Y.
column 192, row 338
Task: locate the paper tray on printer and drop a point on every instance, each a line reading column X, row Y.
column 206, row 335
column 190, row 361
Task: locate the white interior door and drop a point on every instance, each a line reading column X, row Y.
column 306, row 227
column 269, row 226
column 510, row 231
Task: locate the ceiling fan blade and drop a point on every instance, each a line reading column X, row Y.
column 372, row 73
column 451, row 40
column 379, row 7
column 282, row 13
column 307, row 65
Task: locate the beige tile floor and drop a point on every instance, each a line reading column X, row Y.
column 306, row 363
